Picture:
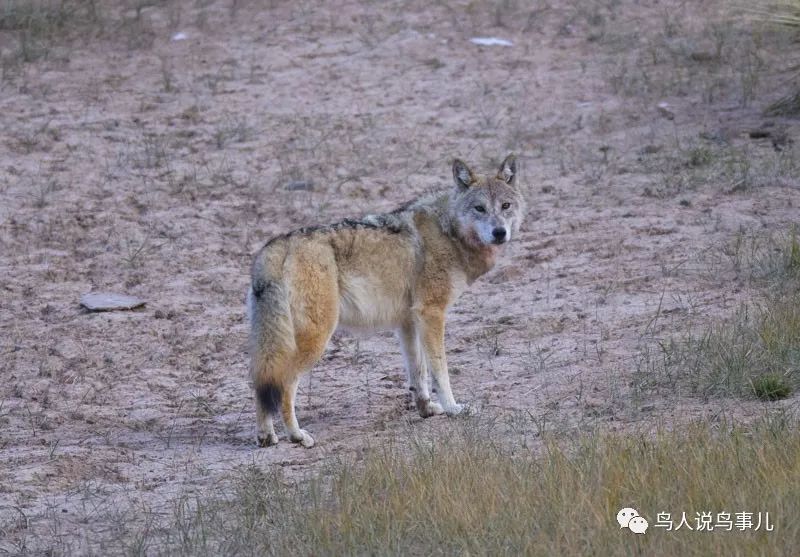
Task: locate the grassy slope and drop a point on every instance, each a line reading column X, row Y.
column 469, row 494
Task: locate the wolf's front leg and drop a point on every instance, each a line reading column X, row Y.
column 417, row 371
column 432, row 334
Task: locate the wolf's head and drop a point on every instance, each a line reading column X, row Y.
column 487, row 209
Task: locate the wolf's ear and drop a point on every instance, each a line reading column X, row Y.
column 508, row 170
column 462, row 174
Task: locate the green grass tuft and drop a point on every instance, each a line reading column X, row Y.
column 793, row 259
column 771, row 386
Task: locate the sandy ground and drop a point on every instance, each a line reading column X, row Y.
column 142, row 165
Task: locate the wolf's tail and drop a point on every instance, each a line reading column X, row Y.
column 272, row 340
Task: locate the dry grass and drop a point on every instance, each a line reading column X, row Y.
column 731, row 169
column 41, row 30
column 785, row 13
column 754, row 352
column 37, row 25
column 759, row 343
column 470, row 493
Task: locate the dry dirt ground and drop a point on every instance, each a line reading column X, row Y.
column 139, row 164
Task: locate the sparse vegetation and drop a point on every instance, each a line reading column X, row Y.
column 755, row 352
column 475, row 491
column 37, row 25
column 707, row 163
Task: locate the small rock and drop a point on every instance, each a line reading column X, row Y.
column 107, row 301
column 647, row 408
column 665, row 111
column 490, row 41
column 759, row 133
column 650, row 149
column 299, row 185
column 703, row 56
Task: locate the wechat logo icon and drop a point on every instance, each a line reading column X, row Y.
column 629, row 518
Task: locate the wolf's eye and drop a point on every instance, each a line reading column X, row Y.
column 506, row 206
column 480, row 208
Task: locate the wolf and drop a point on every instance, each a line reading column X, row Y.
column 397, row 271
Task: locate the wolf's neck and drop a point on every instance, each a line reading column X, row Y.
column 476, row 259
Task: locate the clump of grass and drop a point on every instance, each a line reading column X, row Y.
column 771, row 386
column 700, row 156
column 785, row 13
column 788, row 105
column 793, row 259
column 768, row 261
column 467, row 493
column 777, row 263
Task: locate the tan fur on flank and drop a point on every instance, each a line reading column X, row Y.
column 396, row 271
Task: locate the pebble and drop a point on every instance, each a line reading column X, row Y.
column 108, row 301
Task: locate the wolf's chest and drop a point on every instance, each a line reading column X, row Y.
column 458, row 283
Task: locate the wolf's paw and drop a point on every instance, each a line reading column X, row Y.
column 457, row 410
column 427, row 408
column 267, row 440
column 303, row 438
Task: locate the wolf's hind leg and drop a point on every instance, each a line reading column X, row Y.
column 266, row 428
column 417, row 371
column 296, row 435
column 268, row 398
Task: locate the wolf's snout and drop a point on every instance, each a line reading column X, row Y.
column 499, row 235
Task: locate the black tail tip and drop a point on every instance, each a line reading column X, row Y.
column 269, row 397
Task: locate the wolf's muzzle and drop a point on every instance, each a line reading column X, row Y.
column 499, row 235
